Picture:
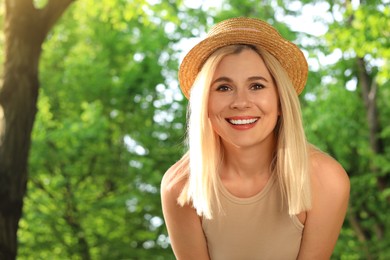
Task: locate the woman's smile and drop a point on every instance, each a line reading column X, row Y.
column 242, row 123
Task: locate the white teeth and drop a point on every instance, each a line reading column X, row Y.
column 243, row 121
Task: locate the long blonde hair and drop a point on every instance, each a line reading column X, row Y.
column 202, row 161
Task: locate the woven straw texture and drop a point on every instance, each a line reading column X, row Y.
column 244, row 31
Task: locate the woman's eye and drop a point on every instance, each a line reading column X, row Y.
column 223, row 88
column 257, row 86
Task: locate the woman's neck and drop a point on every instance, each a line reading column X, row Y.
column 248, row 162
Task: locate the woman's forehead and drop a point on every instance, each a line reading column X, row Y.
column 246, row 64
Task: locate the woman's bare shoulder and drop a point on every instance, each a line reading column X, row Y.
column 183, row 223
column 175, row 178
column 330, row 195
column 328, row 172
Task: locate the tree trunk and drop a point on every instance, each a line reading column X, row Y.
column 369, row 95
column 25, row 29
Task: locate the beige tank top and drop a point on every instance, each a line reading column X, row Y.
column 253, row 228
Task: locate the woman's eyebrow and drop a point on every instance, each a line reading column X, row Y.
column 222, row 79
column 227, row 79
column 253, row 78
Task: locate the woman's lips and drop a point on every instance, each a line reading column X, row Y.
column 242, row 123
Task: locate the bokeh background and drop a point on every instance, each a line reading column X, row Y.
column 111, row 118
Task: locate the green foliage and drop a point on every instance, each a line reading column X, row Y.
column 40, row 3
column 365, row 32
column 111, row 121
column 109, row 125
column 338, row 122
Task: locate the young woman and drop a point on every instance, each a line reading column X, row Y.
column 250, row 185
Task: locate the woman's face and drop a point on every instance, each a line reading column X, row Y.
column 243, row 102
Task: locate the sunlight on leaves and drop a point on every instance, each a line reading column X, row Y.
column 40, row 4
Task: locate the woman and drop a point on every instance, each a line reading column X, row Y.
column 250, row 186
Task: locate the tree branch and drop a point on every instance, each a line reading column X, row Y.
column 11, row 5
column 365, row 82
column 52, row 12
column 369, row 94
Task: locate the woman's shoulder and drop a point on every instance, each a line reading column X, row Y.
column 183, row 223
column 328, row 173
column 330, row 195
column 175, row 178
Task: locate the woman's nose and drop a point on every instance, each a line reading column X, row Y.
column 241, row 100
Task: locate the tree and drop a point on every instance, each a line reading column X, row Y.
column 110, row 123
column 25, row 30
column 363, row 38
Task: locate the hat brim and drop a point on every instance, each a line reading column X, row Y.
column 288, row 54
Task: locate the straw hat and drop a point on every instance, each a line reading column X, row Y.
column 244, row 31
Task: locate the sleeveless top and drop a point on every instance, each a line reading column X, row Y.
column 258, row 227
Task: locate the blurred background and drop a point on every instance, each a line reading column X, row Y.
column 111, row 118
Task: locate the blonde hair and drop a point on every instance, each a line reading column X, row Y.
column 292, row 148
column 201, row 163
